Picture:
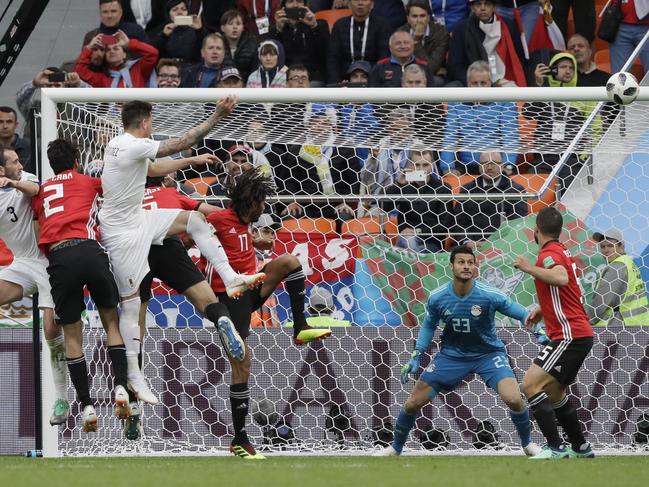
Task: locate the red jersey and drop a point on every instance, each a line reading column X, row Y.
column 168, row 198
column 563, row 311
column 236, row 240
column 66, row 207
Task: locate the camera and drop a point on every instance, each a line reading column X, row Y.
column 107, row 40
column 297, row 13
column 56, row 77
column 183, row 20
column 554, row 71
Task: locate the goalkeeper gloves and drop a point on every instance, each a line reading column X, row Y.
column 411, row 367
column 539, row 333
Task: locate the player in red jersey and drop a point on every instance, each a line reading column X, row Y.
column 66, row 207
column 248, row 193
column 555, row 368
column 171, row 264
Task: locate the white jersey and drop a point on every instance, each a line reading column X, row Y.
column 17, row 221
column 123, row 180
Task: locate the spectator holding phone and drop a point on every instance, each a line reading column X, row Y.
column 241, row 46
column 272, row 70
column 181, row 35
column 120, row 71
column 111, row 15
column 423, row 224
column 305, row 39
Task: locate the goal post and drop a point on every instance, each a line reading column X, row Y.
column 344, row 393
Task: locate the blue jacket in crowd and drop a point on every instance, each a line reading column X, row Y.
column 481, row 126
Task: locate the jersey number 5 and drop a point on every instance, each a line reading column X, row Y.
column 50, row 202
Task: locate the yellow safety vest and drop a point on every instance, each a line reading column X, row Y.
column 634, row 306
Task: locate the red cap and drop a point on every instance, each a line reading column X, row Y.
column 239, row 148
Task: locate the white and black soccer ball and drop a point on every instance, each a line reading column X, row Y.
column 622, row 88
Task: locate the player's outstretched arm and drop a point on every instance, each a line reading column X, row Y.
column 28, row 187
column 172, row 146
column 425, row 337
column 554, row 276
column 164, row 167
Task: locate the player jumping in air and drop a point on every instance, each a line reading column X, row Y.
column 555, row 368
column 171, row 264
column 27, row 273
column 469, row 344
column 248, row 193
column 66, row 207
column 127, row 231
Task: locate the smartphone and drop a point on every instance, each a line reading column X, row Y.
column 183, row 20
column 57, row 77
column 296, row 13
column 416, row 176
column 108, row 40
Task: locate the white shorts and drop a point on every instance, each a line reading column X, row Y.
column 129, row 250
column 31, row 275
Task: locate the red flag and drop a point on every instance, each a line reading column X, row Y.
column 519, row 25
column 546, row 32
column 507, row 53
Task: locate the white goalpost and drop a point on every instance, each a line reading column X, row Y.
column 567, row 147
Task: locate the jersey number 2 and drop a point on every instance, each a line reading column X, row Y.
column 50, row 202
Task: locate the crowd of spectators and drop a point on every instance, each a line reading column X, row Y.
column 359, row 148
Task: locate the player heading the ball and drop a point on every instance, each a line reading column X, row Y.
column 127, row 231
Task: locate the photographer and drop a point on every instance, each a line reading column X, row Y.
column 181, row 35
column 304, row 38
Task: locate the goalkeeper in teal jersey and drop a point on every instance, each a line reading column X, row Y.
column 469, row 344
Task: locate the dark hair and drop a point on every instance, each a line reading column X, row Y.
column 422, row 4
column 101, row 2
column 460, row 249
column 231, row 15
column 296, row 67
column 165, row 61
column 62, row 155
column 4, row 109
column 252, row 186
column 550, row 222
column 133, row 112
column 154, row 181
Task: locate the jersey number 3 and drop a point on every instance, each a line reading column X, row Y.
column 50, row 202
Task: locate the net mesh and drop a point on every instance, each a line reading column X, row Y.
column 372, row 262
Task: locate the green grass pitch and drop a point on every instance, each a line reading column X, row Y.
column 305, row 471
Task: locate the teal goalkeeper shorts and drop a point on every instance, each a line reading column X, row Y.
column 446, row 372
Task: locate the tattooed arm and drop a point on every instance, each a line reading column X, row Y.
column 172, row 146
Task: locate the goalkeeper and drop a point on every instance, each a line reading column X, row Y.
column 469, row 344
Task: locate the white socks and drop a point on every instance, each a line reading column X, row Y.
column 129, row 327
column 210, row 247
column 59, row 366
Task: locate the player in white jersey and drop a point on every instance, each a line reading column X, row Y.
column 27, row 274
column 127, row 231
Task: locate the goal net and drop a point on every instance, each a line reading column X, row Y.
column 374, row 186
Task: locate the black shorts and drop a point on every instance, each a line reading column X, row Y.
column 562, row 359
column 73, row 267
column 171, row 264
column 241, row 309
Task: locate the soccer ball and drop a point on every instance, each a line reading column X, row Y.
column 622, row 88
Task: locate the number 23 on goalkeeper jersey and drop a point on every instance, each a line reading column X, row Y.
column 469, row 320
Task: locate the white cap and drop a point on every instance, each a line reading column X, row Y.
column 610, row 234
